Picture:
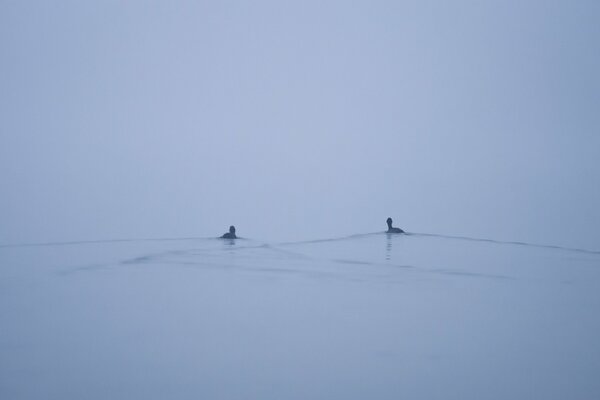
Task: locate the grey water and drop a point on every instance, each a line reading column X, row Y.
column 474, row 123
column 417, row 316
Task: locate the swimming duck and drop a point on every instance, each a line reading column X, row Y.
column 230, row 234
column 391, row 229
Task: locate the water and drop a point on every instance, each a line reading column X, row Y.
column 380, row 316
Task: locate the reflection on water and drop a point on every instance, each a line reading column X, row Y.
column 229, row 242
column 388, row 247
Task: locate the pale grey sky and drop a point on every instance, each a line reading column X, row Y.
column 300, row 120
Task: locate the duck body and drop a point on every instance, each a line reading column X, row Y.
column 392, row 229
column 230, row 234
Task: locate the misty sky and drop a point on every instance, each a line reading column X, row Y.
column 123, row 119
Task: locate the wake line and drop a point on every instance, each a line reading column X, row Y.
column 323, row 240
column 335, row 239
column 99, row 241
column 518, row 243
column 544, row 246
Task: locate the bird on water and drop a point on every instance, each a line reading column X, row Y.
column 391, row 229
column 230, row 234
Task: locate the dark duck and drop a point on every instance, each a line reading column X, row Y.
column 230, row 234
column 391, row 229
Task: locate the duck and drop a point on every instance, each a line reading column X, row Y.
column 391, row 229
column 230, row 234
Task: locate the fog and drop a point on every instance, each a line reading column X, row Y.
column 305, row 120
column 133, row 133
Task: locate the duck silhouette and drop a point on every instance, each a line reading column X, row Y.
column 391, row 229
column 230, row 234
